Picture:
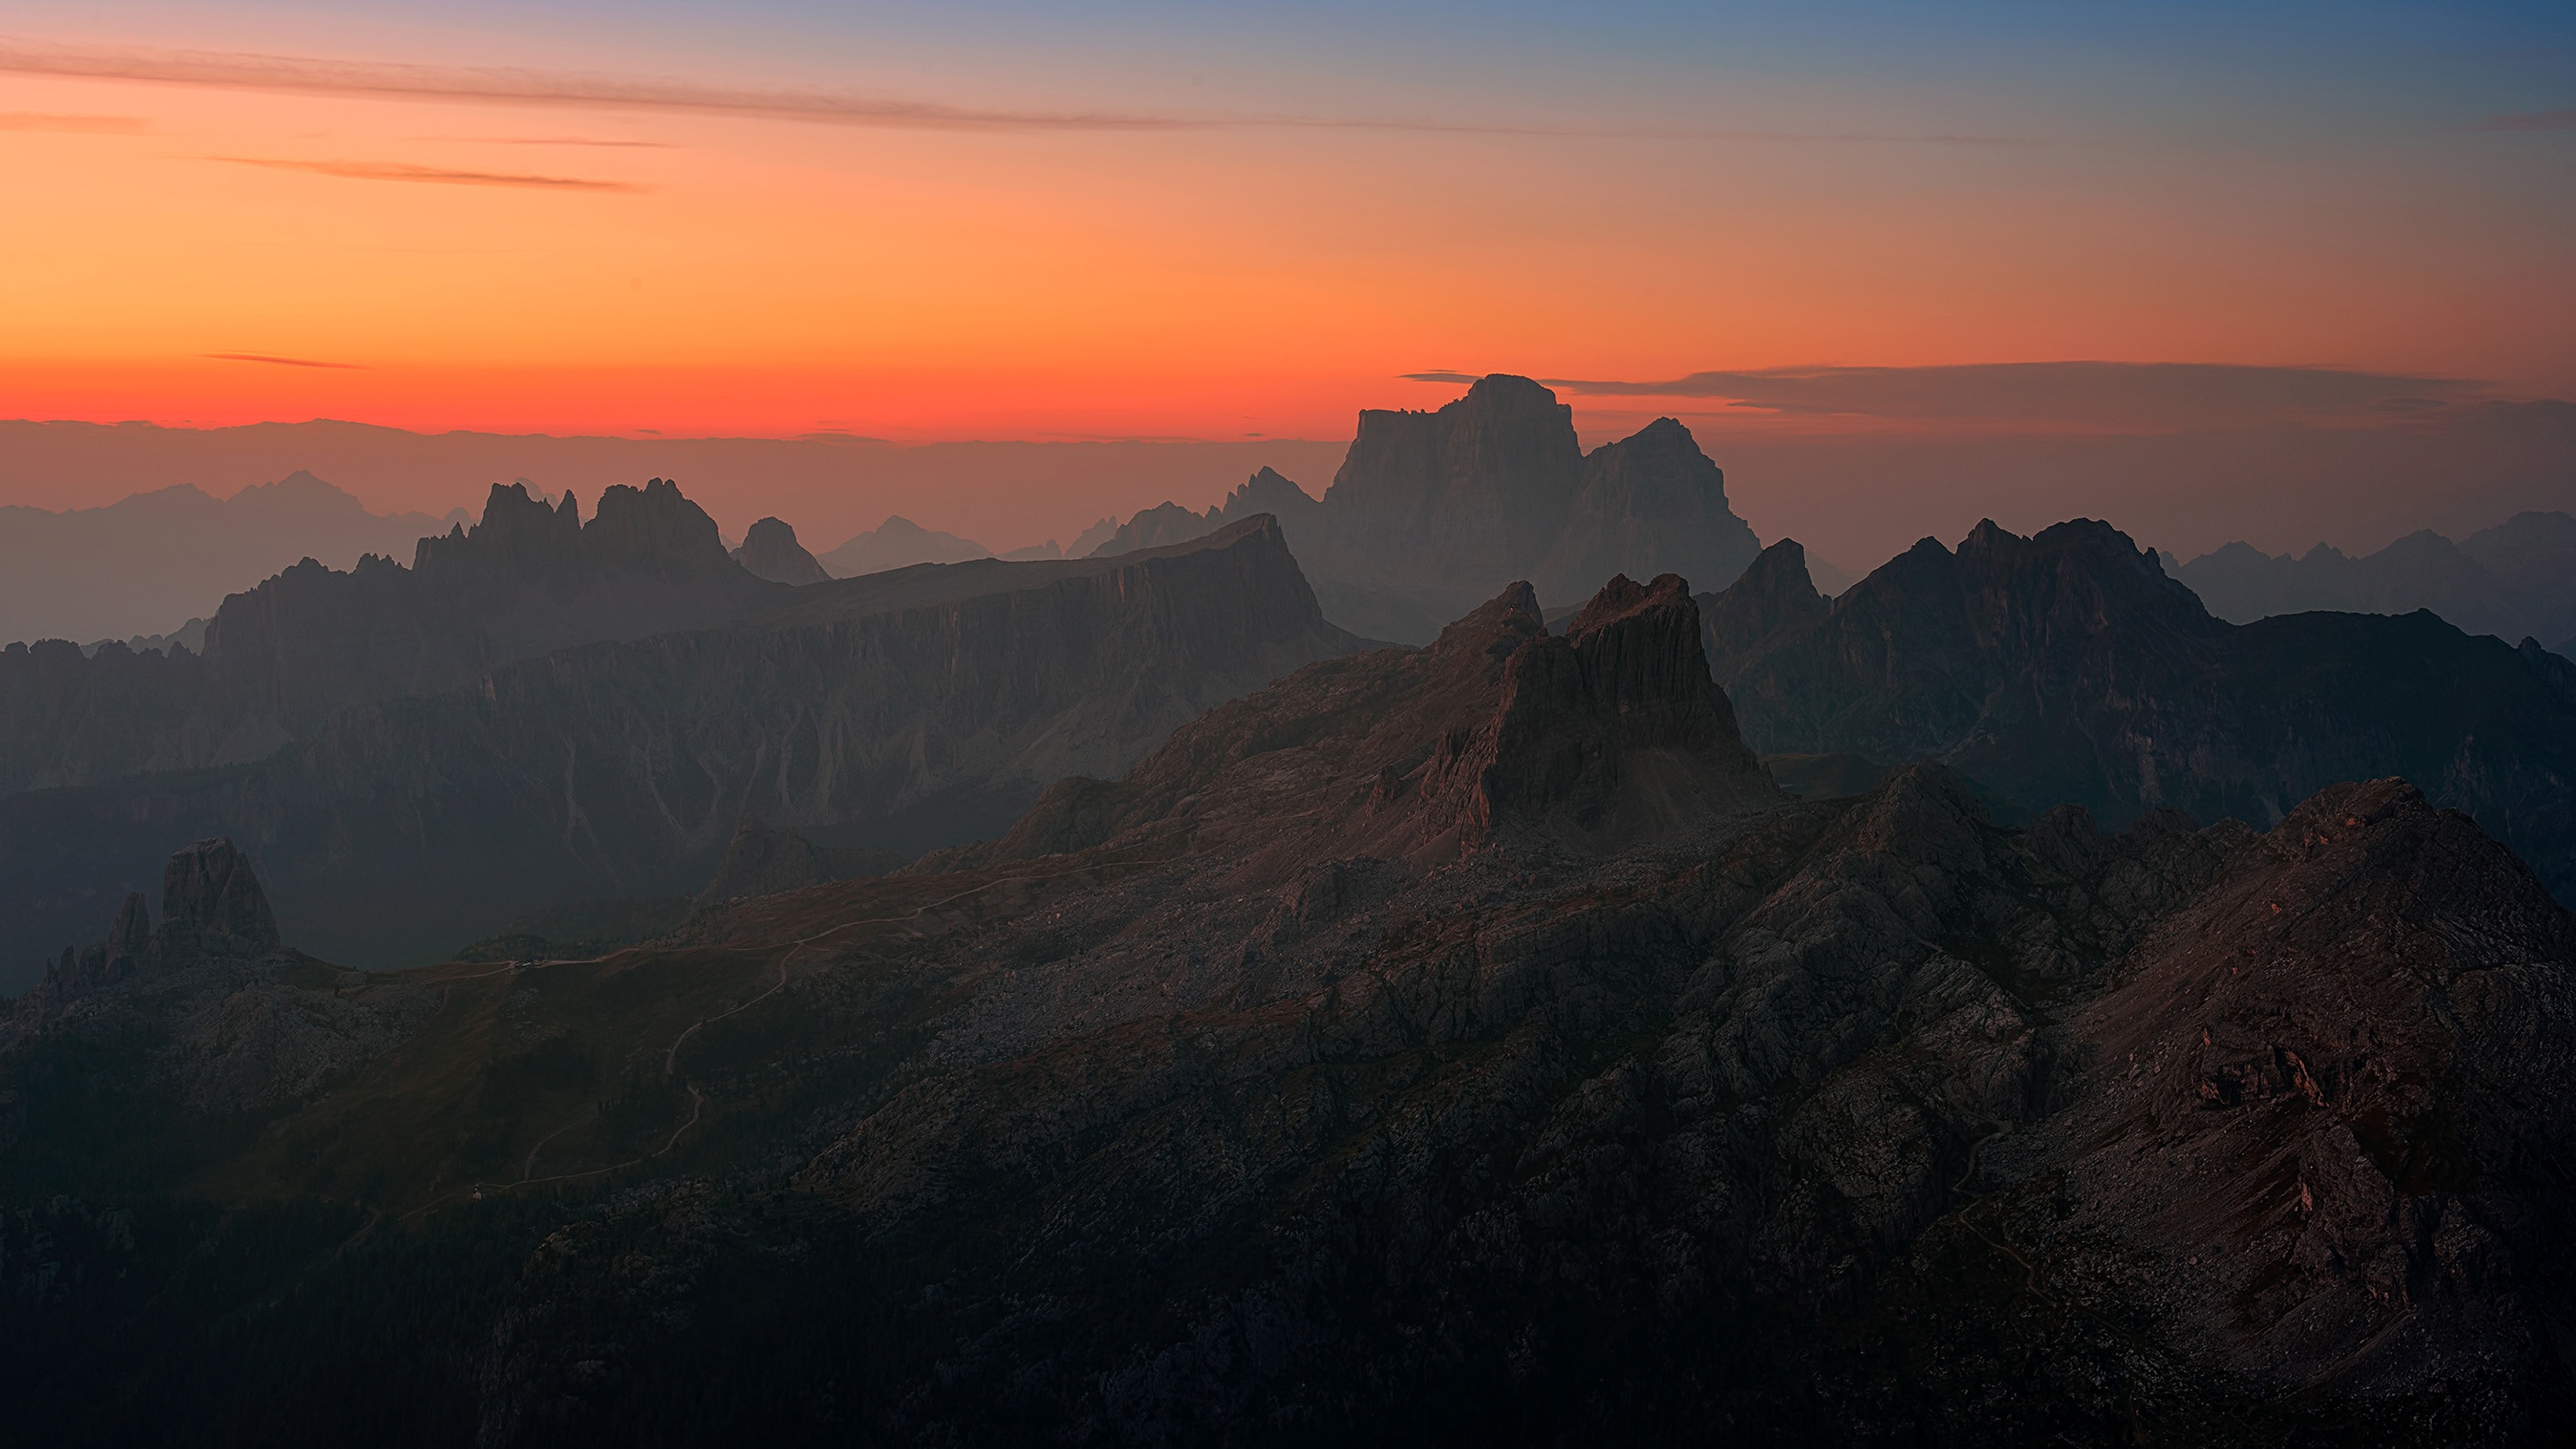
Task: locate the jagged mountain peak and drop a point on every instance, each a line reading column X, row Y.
column 1498, row 735
column 1497, row 627
column 2067, row 580
column 209, row 889
column 1775, row 593
column 1613, row 732
column 655, row 526
column 1267, row 491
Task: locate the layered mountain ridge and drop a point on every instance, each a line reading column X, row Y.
column 139, row 566
column 2516, row 580
column 903, row 710
column 1462, row 1044
column 2067, row 668
column 280, row 658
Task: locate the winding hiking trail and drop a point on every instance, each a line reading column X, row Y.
column 670, row 1056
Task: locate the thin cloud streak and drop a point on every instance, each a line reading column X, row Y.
column 387, row 80
column 2530, row 121
column 74, row 125
column 564, row 141
column 2152, row 394
column 280, row 361
column 433, row 175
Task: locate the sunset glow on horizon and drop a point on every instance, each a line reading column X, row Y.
column 549, row 221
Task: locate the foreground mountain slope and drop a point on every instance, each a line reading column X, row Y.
column 1462, row 1045
column 902, row 709
column 2066, row 668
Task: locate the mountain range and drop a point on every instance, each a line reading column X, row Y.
column 1469, row 1043
column 2516, row 580
column 173, row 553
column 902, row 708
column 2067, row 668
column 283, row 657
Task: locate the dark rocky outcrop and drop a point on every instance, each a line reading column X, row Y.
column 770, row 551
column 209, row 894
column 2067, row 668
column 207, row 1017
column 902, row 710
column 211, row 905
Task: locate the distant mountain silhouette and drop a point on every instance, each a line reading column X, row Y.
column 1433, row 511
column 282, row 657
column 141, row 566
column 901, row 710
column 770, row 551
column 2067, row 668
column 898, row 543
column 2516, row 580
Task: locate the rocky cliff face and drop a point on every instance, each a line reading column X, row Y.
column 280, row 658
column 1431, row 511
column 2068, row 668
column 2309, row 1137
column 1648, row 504
column 1498, row 731
column 910, row 707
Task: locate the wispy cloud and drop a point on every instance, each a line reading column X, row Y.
column 511, row 85
column 434, row 175
column 2530, row 121
column 590, row 91
column 2124, row 394
column 279, row 361
column 559, row 141
column 77, row 125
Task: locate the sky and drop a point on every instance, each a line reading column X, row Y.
column 1223, row 222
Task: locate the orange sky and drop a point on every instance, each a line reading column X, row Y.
column 737, row 275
